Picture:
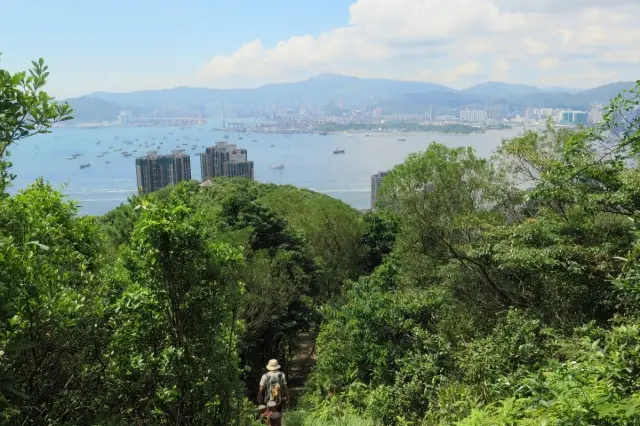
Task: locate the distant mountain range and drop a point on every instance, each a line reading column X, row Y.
column 398, row 96
column 92, row 109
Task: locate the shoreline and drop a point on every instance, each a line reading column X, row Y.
column 437, row 129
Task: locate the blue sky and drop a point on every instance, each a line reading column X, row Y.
column 86, row 40
column 120, row 45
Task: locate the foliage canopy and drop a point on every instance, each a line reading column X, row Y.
column 484, row 291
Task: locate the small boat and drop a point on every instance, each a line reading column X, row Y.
column 323, row 133
column 240, row 138
column 127, row 155
column 273, row 146
column 402, row 140
column 338, row 151
column 84, row 166
column 277, row 166
column 107, row 162
column 254, row 140
column 100, row 155
column 73, row 157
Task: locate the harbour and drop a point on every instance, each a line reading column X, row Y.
column 307, row 160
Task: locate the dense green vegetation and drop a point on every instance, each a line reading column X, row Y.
column 464, row 299
column 498, row 305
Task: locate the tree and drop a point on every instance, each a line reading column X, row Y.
column 280, row 277
column 378, row 239
column 50, row 261
column 332, row 229
column 26, row 111
column 51, row 328
column 498, row 304
column 445, row 197
column 174, row 343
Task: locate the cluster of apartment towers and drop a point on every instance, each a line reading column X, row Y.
column 222, row 160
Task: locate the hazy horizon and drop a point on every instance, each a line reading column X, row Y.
column 545, row 88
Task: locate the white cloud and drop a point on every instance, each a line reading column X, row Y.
column 454, row 42
column 501, row 70
column 535, row 47
column 548, row 63
column 626, row 57
column 557, row 7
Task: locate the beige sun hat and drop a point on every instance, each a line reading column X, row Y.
column 273, row 365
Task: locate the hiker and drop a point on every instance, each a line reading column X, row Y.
column 273, row 386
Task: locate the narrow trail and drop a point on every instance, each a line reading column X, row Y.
column 299, row 366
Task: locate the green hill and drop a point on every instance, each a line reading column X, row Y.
column 91, row 109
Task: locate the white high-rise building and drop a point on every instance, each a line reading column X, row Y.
column 473, row 115
column 595, row 115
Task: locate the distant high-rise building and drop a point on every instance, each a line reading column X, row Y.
column 376, row 181
column 580, row 117
column 473, row 115
column 539, row 114
column 573, row 117
column 496, row 112
column 225, row 160
column 595, row 116
column 157, row 171
column 124, row 117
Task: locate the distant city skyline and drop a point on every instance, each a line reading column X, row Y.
column 125, row 46
column 330, row 100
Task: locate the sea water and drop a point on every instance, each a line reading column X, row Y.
column 309, row 161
